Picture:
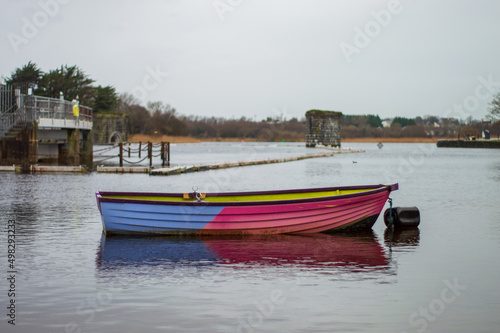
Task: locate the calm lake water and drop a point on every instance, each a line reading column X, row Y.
column 441, row 277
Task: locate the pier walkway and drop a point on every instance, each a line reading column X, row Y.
column 36, row 129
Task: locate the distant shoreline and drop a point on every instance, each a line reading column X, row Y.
column 188, row 139
column 180, row 139
column 393, row 140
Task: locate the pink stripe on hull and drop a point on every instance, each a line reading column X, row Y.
column 332, row 224
column 304, row 217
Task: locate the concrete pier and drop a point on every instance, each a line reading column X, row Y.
column 41, row 130
column 20, row 149
column 87, row 149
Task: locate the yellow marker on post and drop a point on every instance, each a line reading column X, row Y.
column 76, row 108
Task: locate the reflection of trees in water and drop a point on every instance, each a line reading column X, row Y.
column 22, row 206
column 496, row 172
column 26, row 215
column 38, row 202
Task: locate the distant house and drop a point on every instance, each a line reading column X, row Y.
column 387, row 122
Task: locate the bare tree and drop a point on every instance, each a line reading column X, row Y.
column 495, row 108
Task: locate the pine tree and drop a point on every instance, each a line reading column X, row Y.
column 71, row 81
column 106, row 99
column 25, row 76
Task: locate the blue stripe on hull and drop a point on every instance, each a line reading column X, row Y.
column 124, row 217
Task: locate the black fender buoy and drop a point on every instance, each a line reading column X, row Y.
column 402, row 217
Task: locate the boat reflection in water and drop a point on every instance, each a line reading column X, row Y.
column 345, row 253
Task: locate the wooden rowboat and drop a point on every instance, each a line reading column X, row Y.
column 267, row 212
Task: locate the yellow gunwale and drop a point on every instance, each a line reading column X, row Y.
column 243, row 197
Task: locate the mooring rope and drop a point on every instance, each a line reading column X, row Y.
column 137, row 162
column 391, row 225
column 104, row 149
column 104, row 159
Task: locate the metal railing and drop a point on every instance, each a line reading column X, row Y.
column 54, row 108
column 35, row 107
column 7, row 98
column 9, row 120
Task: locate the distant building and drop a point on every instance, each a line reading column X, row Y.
column 323, row 128
column 387, row 122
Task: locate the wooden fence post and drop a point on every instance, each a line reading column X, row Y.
column 150, row 154
column 121, row 153
column 168, row 153
column 162, row 152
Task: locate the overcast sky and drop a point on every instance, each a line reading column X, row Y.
column 260, row 58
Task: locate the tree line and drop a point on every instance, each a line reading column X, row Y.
column 158, row 118
column 71, row 81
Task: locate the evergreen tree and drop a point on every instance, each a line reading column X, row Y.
column 374, row 121
column 403, row 121
column 71, row 81
column 106, row 99
column 24, row 76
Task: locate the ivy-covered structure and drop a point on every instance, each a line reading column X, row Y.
column 109, row 128
column 323, row 128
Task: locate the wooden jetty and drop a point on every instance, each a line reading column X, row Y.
column 195, row 168
column 57, row 169
column 45, row 169
column 167, row 171
column 117, row 169
column 10, row 168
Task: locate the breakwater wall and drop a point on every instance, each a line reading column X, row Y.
column 468, row 143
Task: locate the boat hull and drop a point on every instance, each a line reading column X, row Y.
column 297, row 216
